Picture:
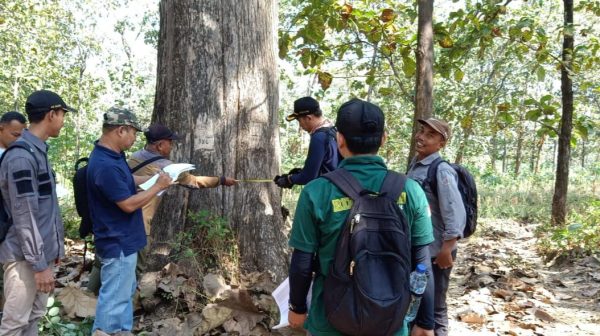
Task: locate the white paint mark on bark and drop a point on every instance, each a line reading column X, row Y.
column 204, row 137
column 264, row 199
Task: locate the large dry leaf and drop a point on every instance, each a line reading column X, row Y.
column 76, row 302
column 242, row 323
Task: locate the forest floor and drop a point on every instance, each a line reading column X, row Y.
column 500, row 286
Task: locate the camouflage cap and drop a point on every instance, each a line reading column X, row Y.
column 121, row 117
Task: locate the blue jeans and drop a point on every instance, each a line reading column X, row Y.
column 114, row 310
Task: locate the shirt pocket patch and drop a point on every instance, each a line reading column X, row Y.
column 45, row 185
column 23, row 182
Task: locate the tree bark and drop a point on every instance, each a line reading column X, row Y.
column 538, row 153
column 559, row 200
column 583, row 154
column 463, row 146
column 519, row 153
column 504, row 158
column 424, row 58
column 217, row 85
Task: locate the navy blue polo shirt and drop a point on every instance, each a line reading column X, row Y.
column 109, row 181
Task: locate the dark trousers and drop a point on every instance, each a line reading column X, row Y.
column 441, row 277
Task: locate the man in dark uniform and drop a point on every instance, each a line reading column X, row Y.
column 35, row 240
column 323, row 154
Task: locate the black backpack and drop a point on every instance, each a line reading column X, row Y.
column 80, row 193
column 5, row 220
column 466, row 187
column 367, row 289
column 331, row 135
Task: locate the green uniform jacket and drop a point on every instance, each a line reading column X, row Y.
column 321, row 212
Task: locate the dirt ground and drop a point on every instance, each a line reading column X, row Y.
column 501, row 286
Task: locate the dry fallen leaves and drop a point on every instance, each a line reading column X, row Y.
column 76, row 302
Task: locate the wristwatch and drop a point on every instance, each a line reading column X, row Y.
column 296, row 308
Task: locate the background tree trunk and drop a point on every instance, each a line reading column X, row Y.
column 559, row 200
column 424, row 56
column 538, row 153
column 519, row 153
column 217, row 85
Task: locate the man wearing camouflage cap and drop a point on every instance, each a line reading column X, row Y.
column 34, row 241
column 115, row 210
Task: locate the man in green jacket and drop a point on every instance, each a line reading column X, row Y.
column 322, row 210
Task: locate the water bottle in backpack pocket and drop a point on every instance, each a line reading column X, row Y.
column 418, row 283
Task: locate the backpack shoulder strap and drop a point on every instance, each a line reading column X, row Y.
column 346, row 182
column 432, row 174
column 393, row 185
column 22, row 145
column 80, row 161
column 145, row 163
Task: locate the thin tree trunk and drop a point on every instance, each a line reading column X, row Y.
column 519, row 148
column 462, row 147
column 538, row 154
column 583, row 154
column 217, row 85
column 559, row 200
column 504, row 153
column 424, row 58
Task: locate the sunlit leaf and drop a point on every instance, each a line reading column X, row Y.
column 325, row 79
column 541, row 74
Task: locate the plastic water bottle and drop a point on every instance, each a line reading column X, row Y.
column 418, row 283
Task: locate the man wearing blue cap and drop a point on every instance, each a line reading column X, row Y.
column 322, row 155
column 321, row 214
column 159, row 143
column 35, row 240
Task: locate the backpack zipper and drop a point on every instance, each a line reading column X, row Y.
column 354, row 221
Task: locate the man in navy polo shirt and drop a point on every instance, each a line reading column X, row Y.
column 115, row 209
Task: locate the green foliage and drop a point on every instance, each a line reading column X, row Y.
column 527, row 197
column 53, row 324
column 207, row 242
column 580, row 238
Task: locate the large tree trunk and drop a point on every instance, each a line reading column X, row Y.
column 559, row 200
column 424, row 56
column 217, row 86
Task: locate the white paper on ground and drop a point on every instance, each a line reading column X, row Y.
column 174, row 170
column 281, row 294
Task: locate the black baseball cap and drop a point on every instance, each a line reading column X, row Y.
column 359, row 118
column 303, row 106
column 43, row 101
column 158, row 132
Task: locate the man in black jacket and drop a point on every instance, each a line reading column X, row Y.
column 322, row 155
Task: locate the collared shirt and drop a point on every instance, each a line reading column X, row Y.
column 109, row 181
column 321, row 213
column 187, row 179
column 447, row 210
column 28, row 190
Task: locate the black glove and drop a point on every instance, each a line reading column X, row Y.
column 283, row 181
column 294, row 171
